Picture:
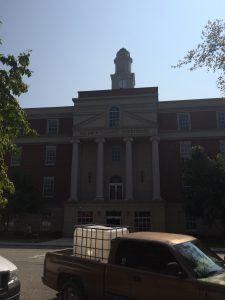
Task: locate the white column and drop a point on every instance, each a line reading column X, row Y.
column 155, row 168
column 100, row 162
column 74, row 171
column 129, row 169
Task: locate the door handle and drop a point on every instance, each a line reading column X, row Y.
column 137, row 278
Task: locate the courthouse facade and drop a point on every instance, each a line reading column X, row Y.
column 115, row 156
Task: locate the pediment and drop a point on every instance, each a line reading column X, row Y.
column 91, row 121
column 139, row 120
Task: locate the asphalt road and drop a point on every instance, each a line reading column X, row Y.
column 30, row 264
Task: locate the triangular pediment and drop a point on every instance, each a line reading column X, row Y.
column 139, row 120
column 91, row 121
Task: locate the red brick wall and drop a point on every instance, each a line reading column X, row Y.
column 203, row 120
column 65, row 126
column 200, row 120
column 167, row 121
column 33, row 162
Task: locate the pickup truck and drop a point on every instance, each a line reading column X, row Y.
column 9, row 280
column 141, row 265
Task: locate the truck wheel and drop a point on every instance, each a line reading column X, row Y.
column 71, row 291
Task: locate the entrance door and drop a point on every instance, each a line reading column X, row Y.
column 115, row 191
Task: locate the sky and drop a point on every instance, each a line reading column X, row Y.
column 74, row 43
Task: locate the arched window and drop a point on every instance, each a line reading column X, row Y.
column 114, row 116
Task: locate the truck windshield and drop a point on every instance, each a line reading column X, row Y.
column 202, row 261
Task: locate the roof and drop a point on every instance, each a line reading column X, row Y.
column 162, row 237
column 118, row 92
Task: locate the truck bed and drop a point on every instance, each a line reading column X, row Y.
column 62, row 264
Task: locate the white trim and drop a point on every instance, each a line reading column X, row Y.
column 48, row 127
column 179, row 115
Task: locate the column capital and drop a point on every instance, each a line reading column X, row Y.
column 100, row 140
column 154, row 138
column 75, row 140
column 128, row 139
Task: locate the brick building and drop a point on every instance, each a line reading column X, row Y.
column 115, row 156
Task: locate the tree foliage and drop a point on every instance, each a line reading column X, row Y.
column 210, row 53
column 12, row 117
column 26, row 198
column 205, row 177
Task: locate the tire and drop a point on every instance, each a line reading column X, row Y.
column 71, row 291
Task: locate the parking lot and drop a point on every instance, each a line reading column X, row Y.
column 30, row 264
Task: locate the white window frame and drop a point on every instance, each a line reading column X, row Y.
column 114, row 117
column 50, row 130
column 222, row 147
column 50, row 158
column 179, row 118
column 15, row 159
column 116, row 154
column 85, row 217
column 113, row 215
column 220, row 120
column 48, row 187
column 141, row 218
column 116, row 186
column 185, row 150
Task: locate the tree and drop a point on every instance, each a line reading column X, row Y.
column 205, row 177
column 210, row 53
column 12, row 117
column 26, row 198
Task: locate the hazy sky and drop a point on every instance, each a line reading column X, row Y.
column 74, row 43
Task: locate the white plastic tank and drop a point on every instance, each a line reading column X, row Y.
column 94, row 241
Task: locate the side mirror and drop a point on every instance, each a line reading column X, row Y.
column 174, row 269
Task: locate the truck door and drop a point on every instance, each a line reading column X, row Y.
column 154, row 280
column 140, row 272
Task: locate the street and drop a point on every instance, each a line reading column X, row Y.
column 30, row 264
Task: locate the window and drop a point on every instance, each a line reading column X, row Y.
column 190, row 221
column 52, row 126
column 184, row 121
column 115, row 188
column 50, row 155
column 84, row 217
column 221, row 119
column 48, row 187
column 113, row 218
column 142, row 221
column 115, row 154
column 185, row 150
column 114, row 117
column 89, row 177
column 146, row 256
column 222, row 147
column 21, row 131
column 16, row 158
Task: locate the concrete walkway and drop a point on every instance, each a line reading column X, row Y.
column 59, row 243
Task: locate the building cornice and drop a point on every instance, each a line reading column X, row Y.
column 49, row 112
column 206, row 134
column 191, row 105
column 43, row 140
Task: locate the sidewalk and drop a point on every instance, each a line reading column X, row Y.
column 59, row 243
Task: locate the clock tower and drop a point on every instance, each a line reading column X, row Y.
column 123, row 78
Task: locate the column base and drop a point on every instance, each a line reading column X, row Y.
column 157, row 199
column 72, row 200
column 129, row 199
column 101, row 199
